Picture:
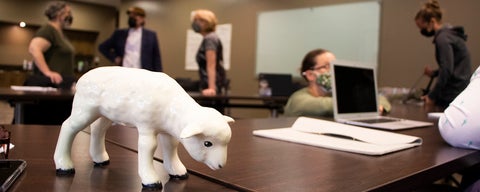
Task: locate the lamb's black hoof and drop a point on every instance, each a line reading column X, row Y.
column 101, row 164
column 67, row 172
column 152, row 187
column 179, row 177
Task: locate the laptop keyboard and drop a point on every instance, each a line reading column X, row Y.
column 377, row 120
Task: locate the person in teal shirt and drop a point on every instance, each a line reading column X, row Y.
column 316, row 98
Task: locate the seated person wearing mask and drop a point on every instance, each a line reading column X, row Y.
column 316, row 98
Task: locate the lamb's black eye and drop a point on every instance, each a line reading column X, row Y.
column 207, row 143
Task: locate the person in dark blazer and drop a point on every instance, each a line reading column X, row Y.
column 134, row 47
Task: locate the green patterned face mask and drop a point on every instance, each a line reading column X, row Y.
column 324, row 81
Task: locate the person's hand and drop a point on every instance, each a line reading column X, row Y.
column 428, row 71
column 118, row 60
column 428, row 101
column 209, row 92
column 55, row 77
column 381, row 110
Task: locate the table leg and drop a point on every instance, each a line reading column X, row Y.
column 18, row 114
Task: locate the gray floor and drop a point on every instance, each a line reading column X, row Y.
column 6, row 113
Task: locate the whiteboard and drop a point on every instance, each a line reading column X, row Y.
column 350, row 31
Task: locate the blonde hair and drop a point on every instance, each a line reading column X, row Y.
column 207, row 16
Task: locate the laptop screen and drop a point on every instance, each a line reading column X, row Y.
column 355, row 89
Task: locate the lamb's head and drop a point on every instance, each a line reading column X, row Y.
column 206, row 138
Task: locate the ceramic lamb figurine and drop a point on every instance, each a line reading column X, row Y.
column 155, row 104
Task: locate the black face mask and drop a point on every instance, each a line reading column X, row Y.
column 426, row 33
column 132, row 22
column 68, row 20
column 196, row 27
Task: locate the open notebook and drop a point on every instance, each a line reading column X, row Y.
column 339, row 136
column 354, row 93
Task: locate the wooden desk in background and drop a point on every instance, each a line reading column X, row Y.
column 262, row 164
column 273, row 103
column 36, row 145
column 19, row 98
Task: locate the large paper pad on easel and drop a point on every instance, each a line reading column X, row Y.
column 343, row 137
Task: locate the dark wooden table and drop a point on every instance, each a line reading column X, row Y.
column 262, row 164
column 36, row 145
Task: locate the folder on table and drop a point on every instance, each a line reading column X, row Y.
column 343, row 137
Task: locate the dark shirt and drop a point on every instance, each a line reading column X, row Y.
column 150, row 57
column 211, row 42
column 60, row 56
column 453, row 59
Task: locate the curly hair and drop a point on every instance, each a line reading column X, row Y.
column 54, row 8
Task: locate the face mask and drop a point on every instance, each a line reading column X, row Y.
column 426, row 33
column 324, row 81
column 196, row 27
column 132, row 23
column 67, row 21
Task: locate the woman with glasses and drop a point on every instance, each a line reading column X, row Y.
column 316, row 98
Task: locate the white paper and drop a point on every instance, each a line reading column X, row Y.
column 319, row 133
column 4, row 146
column 32, row 88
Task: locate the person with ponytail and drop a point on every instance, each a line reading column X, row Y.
column 451, row 53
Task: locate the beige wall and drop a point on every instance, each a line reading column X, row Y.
column 403, row 51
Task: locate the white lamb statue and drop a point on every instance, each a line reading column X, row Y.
column 155, row 104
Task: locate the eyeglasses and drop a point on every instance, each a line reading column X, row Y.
column 320, row 67
column 5, row 141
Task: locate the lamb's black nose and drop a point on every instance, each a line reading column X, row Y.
column 220, row 166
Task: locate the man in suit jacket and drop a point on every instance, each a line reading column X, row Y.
column 134, row 47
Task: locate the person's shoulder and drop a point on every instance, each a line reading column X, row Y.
column 149, row 31
column 46, row 31
column 45, row 28
column 212, row 35
column 300, row 93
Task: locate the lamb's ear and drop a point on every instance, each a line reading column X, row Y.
column 190, row 130
column 228, row 119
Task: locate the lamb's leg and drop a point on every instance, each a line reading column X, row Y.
column 97, row 141
column 70, row 127
column 171, row 161
column 147, row 144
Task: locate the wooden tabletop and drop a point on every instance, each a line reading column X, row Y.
column 262, row 164
column 36, row 145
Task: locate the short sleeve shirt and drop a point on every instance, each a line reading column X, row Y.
column 60, row 55
column 211, row 41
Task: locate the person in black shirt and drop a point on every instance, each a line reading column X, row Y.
column 451, row 53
